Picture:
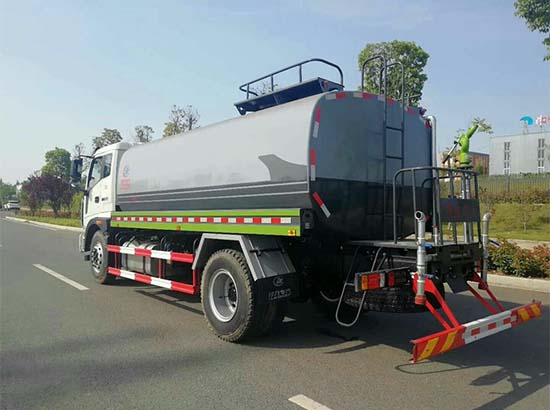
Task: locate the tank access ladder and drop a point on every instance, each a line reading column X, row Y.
column 387, row 129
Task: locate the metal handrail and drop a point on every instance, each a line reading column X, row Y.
column 382, row 71
column 299, row 65
column 437, row 215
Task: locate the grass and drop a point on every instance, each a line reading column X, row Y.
column 55, row 221
column 516, row 221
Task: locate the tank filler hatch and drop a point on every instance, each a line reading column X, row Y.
column 257, row 99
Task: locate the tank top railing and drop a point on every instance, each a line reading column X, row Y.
column 460, row 206
column 271, row 76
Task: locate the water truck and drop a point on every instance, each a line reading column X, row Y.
column 311, row 193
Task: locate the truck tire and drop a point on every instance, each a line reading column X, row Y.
column 99, row 259
column 228, row 299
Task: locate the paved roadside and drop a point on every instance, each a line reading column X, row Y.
column 133, row 346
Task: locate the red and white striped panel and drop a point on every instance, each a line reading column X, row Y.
column 316, row 122
column 312, row 164
column 321, row 204
column 336, row 96
column 151, row 253
column 478, row 329
column 206, row 219
column 151, row 280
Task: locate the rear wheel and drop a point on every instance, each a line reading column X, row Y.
column 99, row 259
column 229, row 301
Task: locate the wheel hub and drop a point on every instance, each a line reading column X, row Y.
column 222, row 295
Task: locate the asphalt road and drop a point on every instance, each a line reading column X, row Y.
column 129, row 346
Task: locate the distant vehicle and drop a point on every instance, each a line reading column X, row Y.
column 12, row 205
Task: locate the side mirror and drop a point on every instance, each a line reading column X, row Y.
column 76, row 171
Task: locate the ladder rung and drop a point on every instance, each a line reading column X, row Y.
column 394, row 128
column 393, row 157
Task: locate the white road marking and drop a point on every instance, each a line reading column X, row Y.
column 60, row 277
column 30, row 223
column 307, row 403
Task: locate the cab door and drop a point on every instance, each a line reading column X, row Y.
column 99, row 201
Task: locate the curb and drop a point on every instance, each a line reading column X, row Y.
column 539, row 285
column 59, row 227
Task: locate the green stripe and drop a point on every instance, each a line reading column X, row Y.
column 279, row 230
column 241, row 212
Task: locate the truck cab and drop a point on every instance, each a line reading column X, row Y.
column 99, row 189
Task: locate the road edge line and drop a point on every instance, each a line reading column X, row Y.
column 307, row 403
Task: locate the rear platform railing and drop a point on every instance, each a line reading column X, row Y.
column 460, row 206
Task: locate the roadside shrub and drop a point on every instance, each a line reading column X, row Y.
column 510, row 259
column 542, row 254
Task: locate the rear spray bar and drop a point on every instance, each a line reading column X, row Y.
column 456, row 335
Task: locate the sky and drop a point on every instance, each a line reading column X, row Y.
column 68, row 69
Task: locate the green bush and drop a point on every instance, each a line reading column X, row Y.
column 510, row 259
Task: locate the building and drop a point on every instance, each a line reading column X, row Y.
column 520, row 153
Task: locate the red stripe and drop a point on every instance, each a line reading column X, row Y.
column 174, row 219
column 410, row 111
column 113, row 248
column 476, row 331
column 114, row 271
column 276, row 220
column 181, row 257
column 155, row 219
column 225, row 219
column 390, row 100
column 318, row 114
column 318, row 199
column 367, row 96
column 163, row 219
column 210, row 220
column 142, row 252
column 492, row 326
column 183, row 287
column 143, row 278
column 507, row 321
column 240, row 220
column 257, row 220
column 340, row 95
column 312, row 157
column 185, row 219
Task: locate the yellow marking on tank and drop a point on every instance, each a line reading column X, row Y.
column 524, row 315
column 536, row 310
column 449, row 342
column 430, row 346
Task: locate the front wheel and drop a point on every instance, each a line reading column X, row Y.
column 99, row 259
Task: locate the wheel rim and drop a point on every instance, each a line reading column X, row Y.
column 222, row 295
column 96, row 258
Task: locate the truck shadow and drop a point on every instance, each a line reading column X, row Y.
column 521, row 354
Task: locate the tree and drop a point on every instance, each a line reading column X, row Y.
column 31, row 193
column 55, row 191
column 482, row 125
column 107, row 137
column 180, row 120
column 58, row 163
column 413, row 58
column 537, row 16
column 143, row 133
column 7, row 192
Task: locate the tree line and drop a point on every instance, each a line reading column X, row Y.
column 51, row 184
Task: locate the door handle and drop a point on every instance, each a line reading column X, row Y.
column 96, row 200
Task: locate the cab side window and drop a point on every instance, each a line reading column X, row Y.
column 95, row 172
column 107, row 160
